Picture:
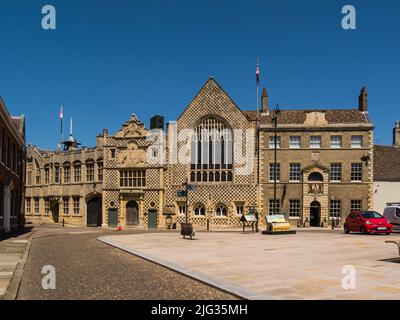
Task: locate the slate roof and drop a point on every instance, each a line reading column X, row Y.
column 386, row 163
column 339, row 116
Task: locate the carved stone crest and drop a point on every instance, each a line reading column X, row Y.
column 315, row 156
column 316, row 188
column 133, row 155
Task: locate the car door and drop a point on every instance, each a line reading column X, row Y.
column 396, row 219
column 357, row 222
column 351, row 221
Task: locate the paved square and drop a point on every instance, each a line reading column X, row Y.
column 303, row 266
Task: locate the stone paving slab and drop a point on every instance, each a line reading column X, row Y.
column 11, row 253
column 254, row 266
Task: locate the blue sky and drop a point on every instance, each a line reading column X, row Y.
column 108, row 59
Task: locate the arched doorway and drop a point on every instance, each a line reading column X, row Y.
column 132, row 213
column 55, row 211
column 315, row 214
column 94, row 212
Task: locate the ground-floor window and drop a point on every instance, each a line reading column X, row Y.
column 76, row 205
column 66, row 206
column 46, row 205
column 335, row 209
column 37, row 208
column 274, row 206
column 199, row 210
column 28, row 205
column 239, row 208
column 221, row 211
column 294, row 208
column 356, row 205
column 181, row 209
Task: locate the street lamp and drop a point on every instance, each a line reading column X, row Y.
column 274, row 120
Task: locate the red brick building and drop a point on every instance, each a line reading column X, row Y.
column 12, row 170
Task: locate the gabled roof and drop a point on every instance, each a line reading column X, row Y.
column 336, row 116
column 386, row 163
column 213, row 85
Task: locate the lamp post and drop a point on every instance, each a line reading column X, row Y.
column 275, row 123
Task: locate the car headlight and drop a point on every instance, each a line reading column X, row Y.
column 368, row 222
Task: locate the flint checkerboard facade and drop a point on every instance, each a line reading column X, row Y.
column 116, row 185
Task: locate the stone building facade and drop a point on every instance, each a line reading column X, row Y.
column 387, row 172
column 12, row 170
column 214, row 163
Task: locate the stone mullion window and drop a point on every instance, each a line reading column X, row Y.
column 76, row 205
column 100, row 170
column 274, row 206
column 132, row 178
column 294, row 172
column 355, row 205
column 294, row 208
column 77, row 172
column 28, row 205
column 211, row 153
column 356, row 172
column 336, row 172
column 90, row 171
column 46, row 206
column 335, row 209
column 66, row 206
column 67, row 173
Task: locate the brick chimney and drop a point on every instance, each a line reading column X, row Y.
column 396, row 135
column 363, row 100
column 264, row 101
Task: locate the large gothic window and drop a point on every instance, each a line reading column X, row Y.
column 211, row 152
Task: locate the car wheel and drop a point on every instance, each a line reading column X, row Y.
column 346, row 229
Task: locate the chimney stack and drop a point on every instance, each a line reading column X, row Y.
column 396, row 135
column 264, row 101
column 363, row 100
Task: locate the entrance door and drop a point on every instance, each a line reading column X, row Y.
column 112, row 218
column 315, row 214
column 94, row 216
column 132, row 213
column 55, row 211
column 152, row 219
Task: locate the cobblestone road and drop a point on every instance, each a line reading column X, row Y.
column 88, row 269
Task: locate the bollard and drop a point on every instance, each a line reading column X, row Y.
column 333, row 224
column 63, row 223
column 208, row 224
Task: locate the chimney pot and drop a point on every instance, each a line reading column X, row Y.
column 264, row 101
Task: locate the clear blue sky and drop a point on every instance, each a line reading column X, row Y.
column 108, row 59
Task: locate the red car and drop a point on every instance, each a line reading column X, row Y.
column 367, row 222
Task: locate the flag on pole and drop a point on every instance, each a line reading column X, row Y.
column 257, row 73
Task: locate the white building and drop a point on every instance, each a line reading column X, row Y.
column 387, row 172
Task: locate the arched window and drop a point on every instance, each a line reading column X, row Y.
column 211, row 152
column 77, row 171
column 67, row 172
column 221, row 211
column 316, row 177
column 100, row 169
column 47, row 174
column 199, row 210
column 89, row 170
column 38, row 174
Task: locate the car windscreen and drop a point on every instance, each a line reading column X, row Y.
column 371, row 215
